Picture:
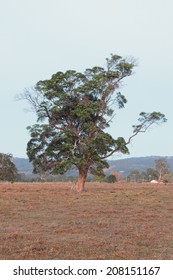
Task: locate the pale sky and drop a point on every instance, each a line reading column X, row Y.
column 42, row 37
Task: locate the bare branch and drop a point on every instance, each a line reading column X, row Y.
column 33, row 98
column 146, row 120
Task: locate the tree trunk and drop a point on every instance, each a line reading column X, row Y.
column 80, row 183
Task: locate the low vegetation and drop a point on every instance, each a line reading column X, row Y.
column 110, row 221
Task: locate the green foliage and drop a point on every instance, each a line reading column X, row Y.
column 73, row 110
column 148, row 119
column 110, row 178
column 8, row 171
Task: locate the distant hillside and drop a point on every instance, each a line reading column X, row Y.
column 23, row 165
column 137, row 163
column 125, row 166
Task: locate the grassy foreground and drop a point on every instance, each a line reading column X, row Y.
column 110, row 221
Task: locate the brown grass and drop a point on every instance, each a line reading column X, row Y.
column 110, row 221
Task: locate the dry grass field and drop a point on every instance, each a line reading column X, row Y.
column 110, row 221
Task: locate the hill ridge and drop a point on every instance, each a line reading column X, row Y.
column 124, row 166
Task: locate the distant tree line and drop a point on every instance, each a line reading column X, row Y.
column 160, row 173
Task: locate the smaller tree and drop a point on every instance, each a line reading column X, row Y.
column 117, row 176
column 111, row 178
column 167, row 178
column 8, row 170
column 162, row 168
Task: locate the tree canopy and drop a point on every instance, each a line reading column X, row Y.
column 8, row 170
column 74, row 109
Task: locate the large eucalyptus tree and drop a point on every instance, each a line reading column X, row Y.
column 74, row 109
